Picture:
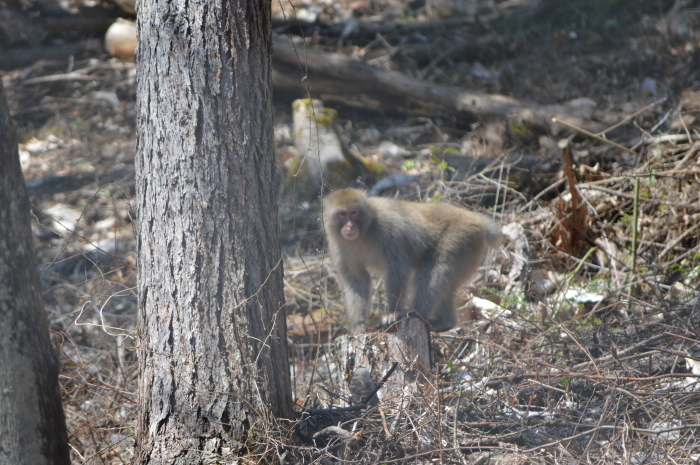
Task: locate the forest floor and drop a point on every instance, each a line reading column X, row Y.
column 579, row 338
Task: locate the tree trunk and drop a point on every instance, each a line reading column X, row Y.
column 32, row 425
column 213, row 360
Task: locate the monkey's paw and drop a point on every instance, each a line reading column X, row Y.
column 443, row 323
column 358, row 328
column 388, row 322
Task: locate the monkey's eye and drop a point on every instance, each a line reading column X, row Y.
column 354, row 213
column 342, row 214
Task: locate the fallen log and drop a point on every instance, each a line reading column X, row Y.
column 335, row 78
column 368, row 30
column 302, row 72
column 18, row 57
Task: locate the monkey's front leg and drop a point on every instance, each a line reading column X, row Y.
column 396, row 285
column 357, row 291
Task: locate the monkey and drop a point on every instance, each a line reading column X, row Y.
column 423, row 251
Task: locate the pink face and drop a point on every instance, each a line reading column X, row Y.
column 348, row 223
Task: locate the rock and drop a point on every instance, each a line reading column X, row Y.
column 120, row 40
column 64, row 218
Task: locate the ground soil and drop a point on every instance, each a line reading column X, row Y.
column 77, row 151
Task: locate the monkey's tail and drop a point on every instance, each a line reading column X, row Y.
column 494, row 236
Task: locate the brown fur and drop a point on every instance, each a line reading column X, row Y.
column 424, row 252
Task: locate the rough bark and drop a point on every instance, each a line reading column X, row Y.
column 213, row 359
column 32, row 425
column 409, row 346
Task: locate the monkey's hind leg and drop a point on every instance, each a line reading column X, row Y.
column 444, row 316
column 455, row 265
column 434, row 295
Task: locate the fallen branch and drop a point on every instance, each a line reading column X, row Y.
column 594, row 136
column 332, row 77
column 670, row 203
column 369, row 29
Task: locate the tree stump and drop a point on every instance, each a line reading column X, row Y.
column 409, row 346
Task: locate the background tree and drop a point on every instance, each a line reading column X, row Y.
column 213, row 358
column 32, row 425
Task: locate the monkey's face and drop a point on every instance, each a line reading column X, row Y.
column 348, row 220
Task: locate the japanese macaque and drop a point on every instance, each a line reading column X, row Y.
column 423, row 251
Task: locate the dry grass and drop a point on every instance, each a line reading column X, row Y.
column 589, row 355
column 550, row 376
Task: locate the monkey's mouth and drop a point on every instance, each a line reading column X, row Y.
column 351, row 235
